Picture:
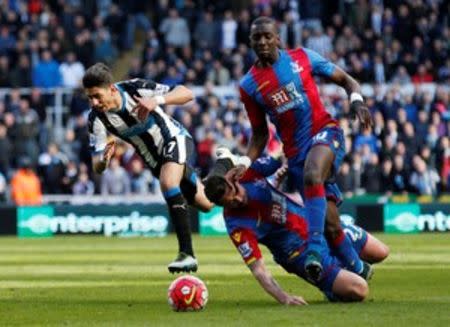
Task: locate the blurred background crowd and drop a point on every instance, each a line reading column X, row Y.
column 390, row 45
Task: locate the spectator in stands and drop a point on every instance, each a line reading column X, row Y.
column 104, row 49
column 401, row 76
column 400, row 175
column 46, row 73
column 71, row 71
column 25, row 185
column 422, row 125
column 21, row 73
column 206, row 32
column 228, row 31
column 219, row 75
column 424, row 180
column 7, row 40
column 25, row 132
column 115, row 180
column 137, row 17
column 371, row 177
column 175, row 30
column 443, row 162
column 366, row 137
column 52, row 166
column 6, row 149
column 83, row 186
column 70, row 177
column 141, row 180
column 409, row 138
column 319, row 42
column 386, row 180
column 346, row 180
column 422, row 75
column 5, row 71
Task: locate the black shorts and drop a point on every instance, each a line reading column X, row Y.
column 180, row 149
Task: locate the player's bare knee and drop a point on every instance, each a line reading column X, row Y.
column 360, row 290
column 383, row 252
column 168, row 182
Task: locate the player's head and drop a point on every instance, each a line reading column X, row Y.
column 264, row 38
column 226, row 191
column 99, row 87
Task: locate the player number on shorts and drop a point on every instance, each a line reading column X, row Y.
column 170, row 147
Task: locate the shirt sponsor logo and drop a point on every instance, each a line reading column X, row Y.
column 285, row 98
column 245, row 250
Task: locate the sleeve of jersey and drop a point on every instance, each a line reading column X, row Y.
column 97, row 136
column 266, row 166
column 247, row 244
column 254, row 112
column 149, row 88
column 320, row 65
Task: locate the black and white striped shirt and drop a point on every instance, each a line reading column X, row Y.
column 147, row 137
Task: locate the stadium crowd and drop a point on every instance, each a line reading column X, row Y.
column 46, row 44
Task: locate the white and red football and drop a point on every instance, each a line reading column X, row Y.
column 187, row 293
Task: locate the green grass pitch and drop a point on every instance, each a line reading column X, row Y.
column 96, row 281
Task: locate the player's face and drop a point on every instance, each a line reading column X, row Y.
column 101, row 98
column 235, row 195
column 265, row 41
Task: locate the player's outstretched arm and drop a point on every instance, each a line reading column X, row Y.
column 265, row 279
column 178, row 96
column 258, row 141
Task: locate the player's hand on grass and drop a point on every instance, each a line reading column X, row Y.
column 294, row 300
column 144, row 106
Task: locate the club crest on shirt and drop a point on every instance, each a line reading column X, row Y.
column 296, row 68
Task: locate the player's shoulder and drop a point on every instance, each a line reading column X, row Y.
column 298, row 51
column 92, row 117
column 246, row 80
column 136, row 83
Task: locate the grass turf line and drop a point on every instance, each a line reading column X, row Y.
column 80, row 281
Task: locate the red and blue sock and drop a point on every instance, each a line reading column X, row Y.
column 316, row 208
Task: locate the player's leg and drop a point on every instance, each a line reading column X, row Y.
column 341, row 244
column 336, row 283
column 349, row 287
column 194, row 190
column 317, row 168
column 374, row 251
column 368, row 247
column 172, row 172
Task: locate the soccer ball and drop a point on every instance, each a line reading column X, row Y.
column 187, row 293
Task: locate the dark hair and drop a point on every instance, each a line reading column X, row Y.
column 264, row 20
column 98, row 75
column 215, row 188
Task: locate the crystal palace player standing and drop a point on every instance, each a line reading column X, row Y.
column 281, row 85
column 131, row 110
